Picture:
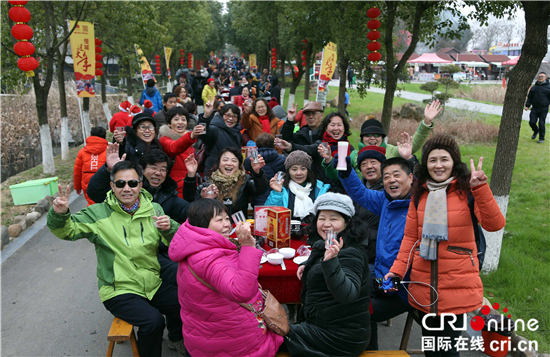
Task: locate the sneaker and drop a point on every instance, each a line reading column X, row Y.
column 540, row 142
column 534, row 136
column 179, row 347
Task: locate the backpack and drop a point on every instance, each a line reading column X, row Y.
column 481, row 244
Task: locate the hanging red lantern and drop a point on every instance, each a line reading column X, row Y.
column 273, row 50
column 374, row 46
column 303, row 53
column 181, row 51
column 22, row 32
column 304, row 41
column 273, row 62
column 23, row 48
column 373, row 24
column 27, row 64
column 373, row 12
column 273, row 66
column 157, row 56
column 98, row 65
column 19, row 14
column 373, row 35
column 98, row 42
column 374, row 56
column 18, row 2
column 98, row 72
column 98, row 49
column 98, row 57
column 303, row 64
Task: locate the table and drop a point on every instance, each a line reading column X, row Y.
column 283, row 284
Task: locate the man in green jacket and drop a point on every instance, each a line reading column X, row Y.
column 125, row 230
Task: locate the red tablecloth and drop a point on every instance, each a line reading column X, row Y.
column 283, row 284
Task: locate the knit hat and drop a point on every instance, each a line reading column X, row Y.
column 124, row 106
column 134, row 110
column 210, row 80
column 334, row 202
column 298, row 157
column 372, row 126
column 147, row 103
column 444, row 142
column 371, row 152
column 150, row 82
column 141, row 117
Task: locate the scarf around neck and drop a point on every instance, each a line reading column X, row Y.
column 228, row 186
column 303, row 205
column 130, row 210
column 334, row 143
column 436, row 225
column 266, row 126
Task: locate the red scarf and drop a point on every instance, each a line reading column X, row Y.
column 266, row 126
column 334, row 143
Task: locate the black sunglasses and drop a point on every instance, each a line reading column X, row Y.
column 122, row 183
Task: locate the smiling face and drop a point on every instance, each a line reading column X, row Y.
column 372, row 139
column 230, row 118
column 396, row 182
column 370, row 168
column 146, row 131
column 156, row 173
column 440, row 165
column 221, row 224
column 313, row 119
column 183, row 93
column 298, row 173
column 126, row 195
column 171, row 103
column 261, row 108
column 245, row 92
column 178, row 123
column 330, row 221
column 336, row 128
column 229, row 164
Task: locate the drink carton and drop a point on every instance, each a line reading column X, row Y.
column 278, row 227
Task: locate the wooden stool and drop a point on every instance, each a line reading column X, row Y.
column 407, row 330
column 121, row 331
column 366, row 354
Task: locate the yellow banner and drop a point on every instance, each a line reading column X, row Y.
column 191, row 64
column 252, row 60
column 146, row 71
column 83, row 50
column 328, row 65
column 167, row 54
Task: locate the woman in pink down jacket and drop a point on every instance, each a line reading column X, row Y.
column 214, row 324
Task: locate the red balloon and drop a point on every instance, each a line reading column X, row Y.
column 98, row 65
column 98, row 49
column 98, row 57
column 21, row 32
column 375, row 56
column 23, row 48
column 374, row 46
column 157, row 56
column 27, row 64
column 98, row 72
column 18, row 2
column 373, row 24
column 303, row 64
column 19, row 14
column 98, row 42
column 373, row 13
column 373, row 35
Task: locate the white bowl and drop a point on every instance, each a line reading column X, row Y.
column 275, row 259
column 288, row 253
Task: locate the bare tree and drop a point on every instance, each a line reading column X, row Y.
column 488, row 36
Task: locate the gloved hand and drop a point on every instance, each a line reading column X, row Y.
column 343, row 174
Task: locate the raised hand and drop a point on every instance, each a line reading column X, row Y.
column 210, row 192
column 431, row 111
column 291, row 113
column 247, row 106
column 61, row 203
column 275, row 184
column 112, row 156
column 325, row 152
column 119, row 135
column 478, row 176
column 256, row 166
column 405, row 146
column 191, row 165
column 283, row 144
column 208, row 107
column 334, row 249
column 197, row 130
column 244, row 235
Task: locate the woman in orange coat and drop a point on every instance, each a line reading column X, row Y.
column 88, row 160
column 259, row 118
column 439, row 239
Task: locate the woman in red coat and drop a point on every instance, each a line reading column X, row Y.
column 177, row 141
column 439, row 244
column 88, row 160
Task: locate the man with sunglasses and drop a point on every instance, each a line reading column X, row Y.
column 125, row 230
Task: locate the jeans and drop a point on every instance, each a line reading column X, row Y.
column 448, row 331
column 540, row 116
column 384, row 307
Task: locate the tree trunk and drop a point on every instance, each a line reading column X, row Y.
column 129, row 82
column 309, row 61
column 48, row 164
column 86, row 117
column 63, row 108
column 537, row 15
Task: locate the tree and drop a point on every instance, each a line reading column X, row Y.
column 488, row 35
column 430, row 87
column 448, row 82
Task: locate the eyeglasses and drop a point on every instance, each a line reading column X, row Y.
column 122, row 183
column 146, row 127
column 310, row 113
column 234, row 116
column 370, row 135
column 161, row 170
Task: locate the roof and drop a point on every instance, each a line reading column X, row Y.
column 495, row 58
column 413, row 56
column 447, row 49
column 431, row 58
column 468, row 58
column 512, row 62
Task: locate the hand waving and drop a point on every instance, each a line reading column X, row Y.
column 405, row 146
column 291, row 113
column 112, row 156
column 191, row 165
column 61, row 203
column 431, row 111
column 478, row 176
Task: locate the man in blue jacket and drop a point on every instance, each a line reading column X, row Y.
column 538, row 100
column 392, row 205
column 153, row 94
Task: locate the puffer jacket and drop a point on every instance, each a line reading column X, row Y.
column 282, row 198
column 455, row 273
column 126, row 246
column 207, row 92
column 274, row 162
column 539, row 96
column 218, row 137
column 178, row 148
column 216, row 316
column 152, row 94
column 254, row 126
column 88, row 160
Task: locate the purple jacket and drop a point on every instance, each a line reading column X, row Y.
column 214, row 324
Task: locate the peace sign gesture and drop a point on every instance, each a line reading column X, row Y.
column 478, row 177
column 208, row 107
column 291, row 113
column 61, row 203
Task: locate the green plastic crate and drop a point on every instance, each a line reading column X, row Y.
column 33, row 191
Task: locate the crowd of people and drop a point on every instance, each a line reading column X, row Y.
column 162, row 194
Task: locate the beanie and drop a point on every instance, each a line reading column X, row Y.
column 372, row 126
column 298, row 157
column 443, row 142
column 210, row 80
column 141, row 117
column 147, row 103
column 371, row 152
column 334, row 202
column 150, row 82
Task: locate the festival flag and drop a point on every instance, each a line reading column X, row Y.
column 328, row 66
column 83, row 50
column 252, row 60
column 146, row 71
column 167, row 54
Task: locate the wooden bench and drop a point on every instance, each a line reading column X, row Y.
column 121, row 331
column 366, row 354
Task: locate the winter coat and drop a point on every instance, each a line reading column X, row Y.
column 455, row 273
column 238, row 100
column 154, row 96
column 88, row 160
column 539, row 96
column 120, row 119
column 160, row 117
column 214, row 324
column 207, row 92
column 126, row 246
column 134, row 147
column 334, row 319
column 178, row 148
column 254, row 126
column 219, row 136
column 282, row 198
column 274, row 162
column 276, row 90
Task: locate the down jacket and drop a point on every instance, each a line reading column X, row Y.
column 214, row 324
column 88, row 160
column 154, row 96
column 218, row 137
column 455, row 274
column 274, row 162
column 254, row 126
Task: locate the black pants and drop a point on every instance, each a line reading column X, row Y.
column 384, row 307
column 147, row 316
column 540, row 116
column 448, row 331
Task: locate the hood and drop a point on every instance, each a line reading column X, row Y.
column 279, row 112
column 269, row 154
column 166, row 131
column 95, row 145
column 275, row 80
column 150, row 91
column 217, row 121
column 190, row 240
column 546, row 82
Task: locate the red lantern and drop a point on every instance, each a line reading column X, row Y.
column 274, row 50
column 374, row 46
column 158, row 71
column 18, row 2
column 303, row 53
column 373, row 13
column 21, row 32
column 273, row 66
column 273, row 62
column 303, row 64
column 98, row 49
column 373, row 24
column 304, row 41
column 98, row 72
column 98, row 42
column 373, row 35
column 181, row 51
column 98, row 65
column 375, row 56
column 98, row 57
column 23, row 48
column 19, row 14
column 27, row 65
column 157, row 56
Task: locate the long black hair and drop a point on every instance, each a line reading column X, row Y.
column 328, row 118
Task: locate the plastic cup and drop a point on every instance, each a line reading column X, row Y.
column 328, row 241
column 280, row 177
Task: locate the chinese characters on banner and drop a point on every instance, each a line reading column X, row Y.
column 328, row 66
column 83, row 51
column 146, row 71
column 252, row 60
column 260, row 220
column 167, row 54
